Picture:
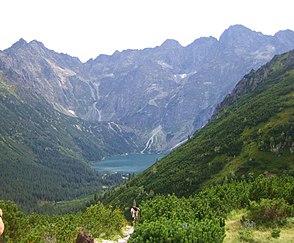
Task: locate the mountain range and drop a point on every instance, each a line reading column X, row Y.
column 250, row 134
column 58, row 114
column 162, row 94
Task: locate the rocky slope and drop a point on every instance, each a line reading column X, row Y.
column 255, row 79
column 162, row 94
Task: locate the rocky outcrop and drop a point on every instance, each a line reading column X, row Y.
column 84, row 238
column 254, row 79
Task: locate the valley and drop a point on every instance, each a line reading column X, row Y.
column 192, row 134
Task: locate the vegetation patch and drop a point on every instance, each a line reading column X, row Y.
column 237, row 231
column 97, row 220
column 235, row 208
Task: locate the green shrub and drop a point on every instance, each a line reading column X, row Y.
column 276, row 233
column 166, row 230
column 37, row 228
column 270, row 212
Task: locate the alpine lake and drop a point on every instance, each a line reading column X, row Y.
column 127, row 163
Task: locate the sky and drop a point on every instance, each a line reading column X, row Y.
column 87, row 28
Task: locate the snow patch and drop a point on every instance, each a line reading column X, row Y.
column 163, row 64
column 152, row 102
column 72, row 112
column 181, row 77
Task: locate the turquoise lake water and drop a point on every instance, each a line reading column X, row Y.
column 131, row 163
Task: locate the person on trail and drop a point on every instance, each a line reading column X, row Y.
column 1, row 223
column 134, row 214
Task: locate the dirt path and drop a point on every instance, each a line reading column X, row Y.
column 127, row 231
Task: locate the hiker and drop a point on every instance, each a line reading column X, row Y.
column 1, row 223
column 134, row 214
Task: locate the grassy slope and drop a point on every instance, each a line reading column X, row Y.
column 234, row 230
column 250, row 136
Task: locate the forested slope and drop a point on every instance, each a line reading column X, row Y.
column 45, row 155
column 250, row 135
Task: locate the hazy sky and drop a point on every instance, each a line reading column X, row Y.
column 87, row 28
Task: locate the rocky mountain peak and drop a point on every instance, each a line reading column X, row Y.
column 237, row 34
column 285, row 36
column 288, row 33
column 170, row 44
column 204, row 41
column 22, row 47
column 236, row 29
column 37, row 44
column 19, row 44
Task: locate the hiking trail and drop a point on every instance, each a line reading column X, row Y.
column 126, row 233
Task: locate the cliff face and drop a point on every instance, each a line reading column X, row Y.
column 255, row 79
column 162, row 94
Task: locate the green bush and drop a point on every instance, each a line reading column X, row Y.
column 274, row 187
column 276, row 233
column 97, row 219
column 270, row 212
column 166, row 230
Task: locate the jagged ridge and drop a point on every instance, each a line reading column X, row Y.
column 150, row 88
